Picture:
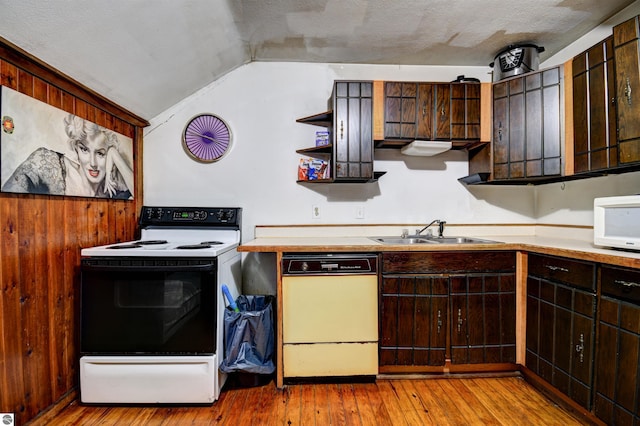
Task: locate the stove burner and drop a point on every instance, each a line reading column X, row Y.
column 125, row 246
column 193, row 247
column 213, row 243
column 151, row 242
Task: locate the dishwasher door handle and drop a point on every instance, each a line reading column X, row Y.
column 329, row 266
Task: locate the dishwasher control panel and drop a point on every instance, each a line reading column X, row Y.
column 318, row 264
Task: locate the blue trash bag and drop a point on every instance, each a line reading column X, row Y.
column 249, row 339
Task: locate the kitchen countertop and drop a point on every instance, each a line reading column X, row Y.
column 576, row 246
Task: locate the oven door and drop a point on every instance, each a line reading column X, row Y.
column 147, row 306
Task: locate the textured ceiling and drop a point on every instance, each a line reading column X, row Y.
column 147, row 55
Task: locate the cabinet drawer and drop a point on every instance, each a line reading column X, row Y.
column 569, row 271
column 446, row 262
column 621, row 283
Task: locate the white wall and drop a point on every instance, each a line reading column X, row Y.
column 261, row 102
column 572, row 202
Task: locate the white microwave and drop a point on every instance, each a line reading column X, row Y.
column 616, row 222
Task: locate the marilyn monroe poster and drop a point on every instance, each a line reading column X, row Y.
column 45, row 150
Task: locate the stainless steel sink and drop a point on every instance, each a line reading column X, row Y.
column 411, row 240
column 463, row 240
column 408, row 240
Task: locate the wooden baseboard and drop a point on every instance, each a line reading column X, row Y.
column 559, row 398
column 448, row 369
column 49, row 415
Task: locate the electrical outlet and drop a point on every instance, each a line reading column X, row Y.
column 315, row 211
column 360, row 212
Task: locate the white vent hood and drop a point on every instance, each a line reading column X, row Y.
column 426, row 148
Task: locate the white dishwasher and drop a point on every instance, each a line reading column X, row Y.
column 330, row 315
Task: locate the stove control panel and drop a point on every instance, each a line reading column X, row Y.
column 227, row 217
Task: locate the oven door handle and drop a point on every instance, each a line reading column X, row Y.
column 156, row 268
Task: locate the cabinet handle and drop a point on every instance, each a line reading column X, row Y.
column 556, row 268
column 629, row 284
column 580, row 348
column 627, row 91
column 341, row 129
column 442, row 113
column 439, row 320
column 500, row 131
column 424, row 109
column 459, row 320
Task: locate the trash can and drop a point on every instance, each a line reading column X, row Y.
column 249, row 341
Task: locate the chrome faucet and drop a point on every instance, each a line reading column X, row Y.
column 440, row 223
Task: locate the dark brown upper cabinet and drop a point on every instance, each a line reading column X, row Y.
column 527, row 117
column 350, row 154
column 627, row 65
column 430, row 111
column 594, row 109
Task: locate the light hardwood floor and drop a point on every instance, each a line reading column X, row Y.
column 451, row 401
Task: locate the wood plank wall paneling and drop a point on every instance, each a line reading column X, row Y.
column 41, row 238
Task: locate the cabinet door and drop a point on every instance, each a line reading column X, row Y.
column 465, row 111
column 594, row 124
column 617, row 388
column 627, row 89
column 583, row 347
column 560, row 324
column 424, row 113
column 392, row 110
column 353, row 130
column 400, row 110
column 413, row 321
column 581, row 160
column 541, row 143
column 617, row 360
column 574, row 343
column 603, row 146
column 532, row 345
column 560, row 335
column 442, row 113
column 534, row 113
column 532, row 148
column 482, row 318
column 500, row 131
column 517, row 128
column 551, row 115
column 410, row 111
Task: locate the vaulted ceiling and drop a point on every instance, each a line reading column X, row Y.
column 147, row 55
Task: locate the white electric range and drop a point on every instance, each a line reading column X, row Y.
column 152, row 310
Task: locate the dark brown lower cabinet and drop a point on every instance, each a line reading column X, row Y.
column 447, row 308
column 617, row 389
column 483, row 311
column 561, row 309
column 414, row 326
